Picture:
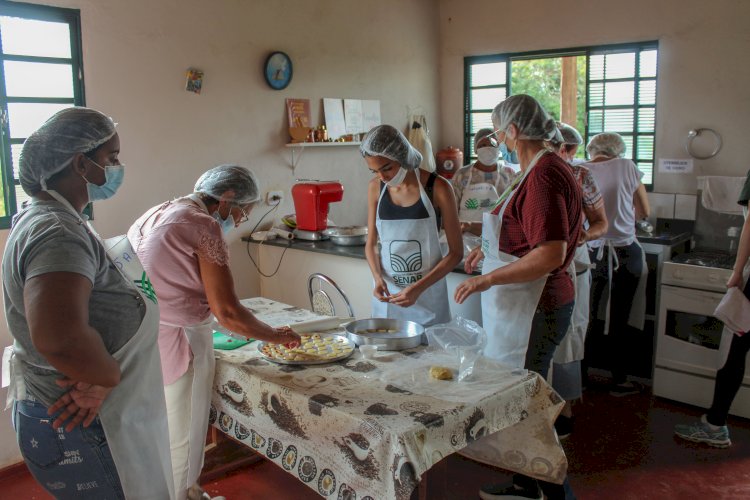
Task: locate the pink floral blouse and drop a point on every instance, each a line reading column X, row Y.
column 169, row 240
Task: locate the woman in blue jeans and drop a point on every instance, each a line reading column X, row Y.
column 85, row 376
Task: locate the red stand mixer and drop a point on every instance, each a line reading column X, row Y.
column 311, row 200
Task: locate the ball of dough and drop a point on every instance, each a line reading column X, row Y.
column 441, row 373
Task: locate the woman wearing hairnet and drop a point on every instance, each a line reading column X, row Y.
column 619, row 260
column 181, row 244
column 528, row 242
column 409, row 270
column 566, row 367
column 84, row 326
column 478, row 185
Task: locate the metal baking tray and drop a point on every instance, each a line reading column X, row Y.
column 402, row 334
column 347, row 235
column 347, row 342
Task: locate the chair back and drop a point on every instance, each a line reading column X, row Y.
column 321, row 301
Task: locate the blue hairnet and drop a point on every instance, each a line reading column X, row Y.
column 229, row 183
column 387, row 141
column 481, row 134
column 525, row 112
column 608, row 144
column 569, row 134
column 51, row 148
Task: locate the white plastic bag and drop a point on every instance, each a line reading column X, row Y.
column 463, row 338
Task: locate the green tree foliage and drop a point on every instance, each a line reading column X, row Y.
column 540, row 78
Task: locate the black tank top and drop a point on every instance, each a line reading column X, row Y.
column 387, row 210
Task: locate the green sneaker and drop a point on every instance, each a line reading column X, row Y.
column 703, row 432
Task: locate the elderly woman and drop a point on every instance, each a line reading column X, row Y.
column 566, row 368
column 84, row 332
column 528, row 241
column 478, row 185
column 617, row 254
column 182, row 247
column 403, row 206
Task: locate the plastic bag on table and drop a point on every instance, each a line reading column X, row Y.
column 462, row 338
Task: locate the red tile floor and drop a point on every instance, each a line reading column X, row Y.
column 622, row 448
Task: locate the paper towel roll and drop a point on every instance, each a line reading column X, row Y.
column 283, row 233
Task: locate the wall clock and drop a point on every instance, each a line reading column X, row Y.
column 278, row 70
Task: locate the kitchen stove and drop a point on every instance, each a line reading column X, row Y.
column 690, row 341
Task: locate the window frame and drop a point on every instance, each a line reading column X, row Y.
column 588, row 51
column 41, row 13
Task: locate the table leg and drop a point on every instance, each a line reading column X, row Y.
column 434, row 483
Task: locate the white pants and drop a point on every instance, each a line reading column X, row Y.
column 178, row 395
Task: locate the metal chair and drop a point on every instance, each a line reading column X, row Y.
column 320, row 301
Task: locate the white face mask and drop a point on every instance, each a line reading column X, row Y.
column 488, row 155
column 397, row 179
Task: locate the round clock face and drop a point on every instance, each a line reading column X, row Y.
column 278, row 70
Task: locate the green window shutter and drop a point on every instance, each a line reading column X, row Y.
column 621, row 97
column 485, row 85
column 36, row 80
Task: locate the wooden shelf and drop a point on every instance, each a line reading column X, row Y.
column 321, row 144
column 300, row 148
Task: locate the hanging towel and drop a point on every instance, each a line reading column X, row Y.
column 734, row 311
column 419, row 137
column 720, row 193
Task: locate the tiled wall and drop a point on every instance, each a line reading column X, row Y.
column 672, row 206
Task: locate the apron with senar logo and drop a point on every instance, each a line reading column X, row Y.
column 409, row 249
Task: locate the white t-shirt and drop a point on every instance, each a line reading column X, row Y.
column 618, row 179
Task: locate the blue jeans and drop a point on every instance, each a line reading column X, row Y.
column 548, row 328
column 75, row 465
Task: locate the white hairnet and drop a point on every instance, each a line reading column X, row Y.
column 229, row 183
column 387, row 141
column 50, row 148
column 569, row 134
column 481, row 134
column 525, row 112
column 608, row 144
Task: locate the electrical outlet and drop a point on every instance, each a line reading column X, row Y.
column 273, row 198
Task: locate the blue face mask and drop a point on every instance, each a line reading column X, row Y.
column 113, row 177
column 511, row 157
column 226, row 224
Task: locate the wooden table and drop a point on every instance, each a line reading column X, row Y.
column 347, row 432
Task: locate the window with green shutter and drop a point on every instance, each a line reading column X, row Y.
column 616, row 84
column 40, row 74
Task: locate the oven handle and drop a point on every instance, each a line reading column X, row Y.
column 692, row 295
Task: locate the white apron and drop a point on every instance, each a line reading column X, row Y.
column 507, row 310
column 637, row 316
column 572, row 346
column 201, row 345
column 204, row 363
column 409, row 249
column 475, row 200
column 134, row 414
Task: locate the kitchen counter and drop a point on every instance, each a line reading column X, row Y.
column 325, row 247
column 668, row 239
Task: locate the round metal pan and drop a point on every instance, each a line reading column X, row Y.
column 347, row 342
column 401, row 334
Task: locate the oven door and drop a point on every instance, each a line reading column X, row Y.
column 688, row 349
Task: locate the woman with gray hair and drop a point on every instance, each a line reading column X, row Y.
column 403, row 205
column 84, row 328
column 528, row 241
column 182, row 247
column 618, row 257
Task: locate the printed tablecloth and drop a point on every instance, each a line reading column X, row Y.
column 348, row 435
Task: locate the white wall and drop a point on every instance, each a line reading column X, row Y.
column 135, row 53
column 703, row 74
